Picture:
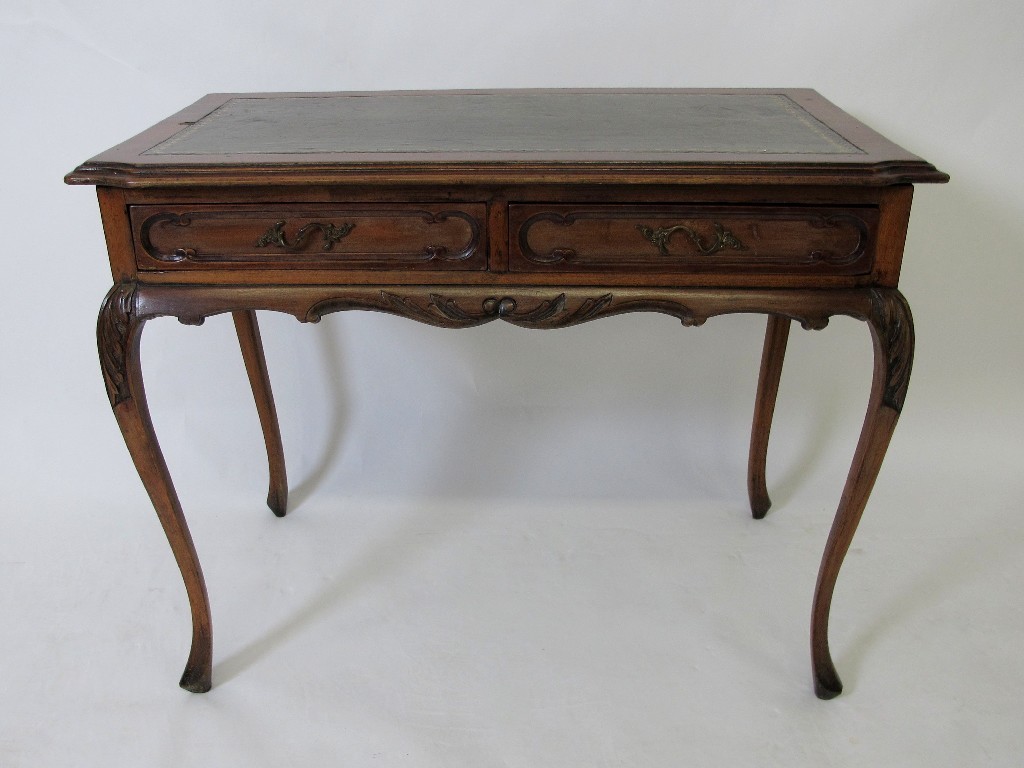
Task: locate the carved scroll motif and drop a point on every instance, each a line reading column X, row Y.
column 661, row 235
column 846, row 239
column 171, row 219
column 226, row 235
column 276, row 235
column 555, row 312
column 531, row 311
column 554, row 255
column 833, row 222
column 113, row 335
column 443, row 252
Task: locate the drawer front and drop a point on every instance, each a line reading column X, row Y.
column 337, row 236
column 692, row 238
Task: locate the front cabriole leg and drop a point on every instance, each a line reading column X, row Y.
column 118, row 332
column 892, row 333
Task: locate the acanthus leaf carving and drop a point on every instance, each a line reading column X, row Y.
column 113, row 335
column 450, row 309
column 454, row 311
column 588, row 309
column 894, row 326
column 543, row 311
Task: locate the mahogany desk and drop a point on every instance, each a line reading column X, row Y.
column 540, row 208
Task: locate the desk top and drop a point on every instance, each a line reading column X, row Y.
column 782, row 136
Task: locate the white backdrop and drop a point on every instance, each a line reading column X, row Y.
column 431, row 470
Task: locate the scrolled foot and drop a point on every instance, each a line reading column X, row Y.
column 196, row 679
column 198, row 674
column 827, row 684
column 759, row 506
column 892, row 333
column 277, row 500
column 119, row 331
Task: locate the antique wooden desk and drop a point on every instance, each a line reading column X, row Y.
column 540, row 208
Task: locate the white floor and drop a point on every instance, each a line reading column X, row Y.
column 599, row 613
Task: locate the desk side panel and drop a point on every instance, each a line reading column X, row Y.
column 892, row 233
column 118, row 232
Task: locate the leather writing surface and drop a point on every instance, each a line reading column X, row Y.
column 672, row 123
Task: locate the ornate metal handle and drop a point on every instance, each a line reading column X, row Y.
column 660, row 237
column 276, row 236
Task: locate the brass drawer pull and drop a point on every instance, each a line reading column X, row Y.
column 276, row 236
column 660, row 237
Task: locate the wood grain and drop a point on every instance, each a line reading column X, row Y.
column 309, row 236
column 699, row 239
column 540, row 208
column 119, row 332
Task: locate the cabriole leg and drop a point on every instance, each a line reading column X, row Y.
column 775, row 338
column 892, row 332
column 256, row 366
column 119, row 332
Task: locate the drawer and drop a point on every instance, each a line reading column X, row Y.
column 330, row 236
column 692, row 238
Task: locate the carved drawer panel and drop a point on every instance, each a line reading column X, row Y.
column 692, row 238
column 433, row 236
